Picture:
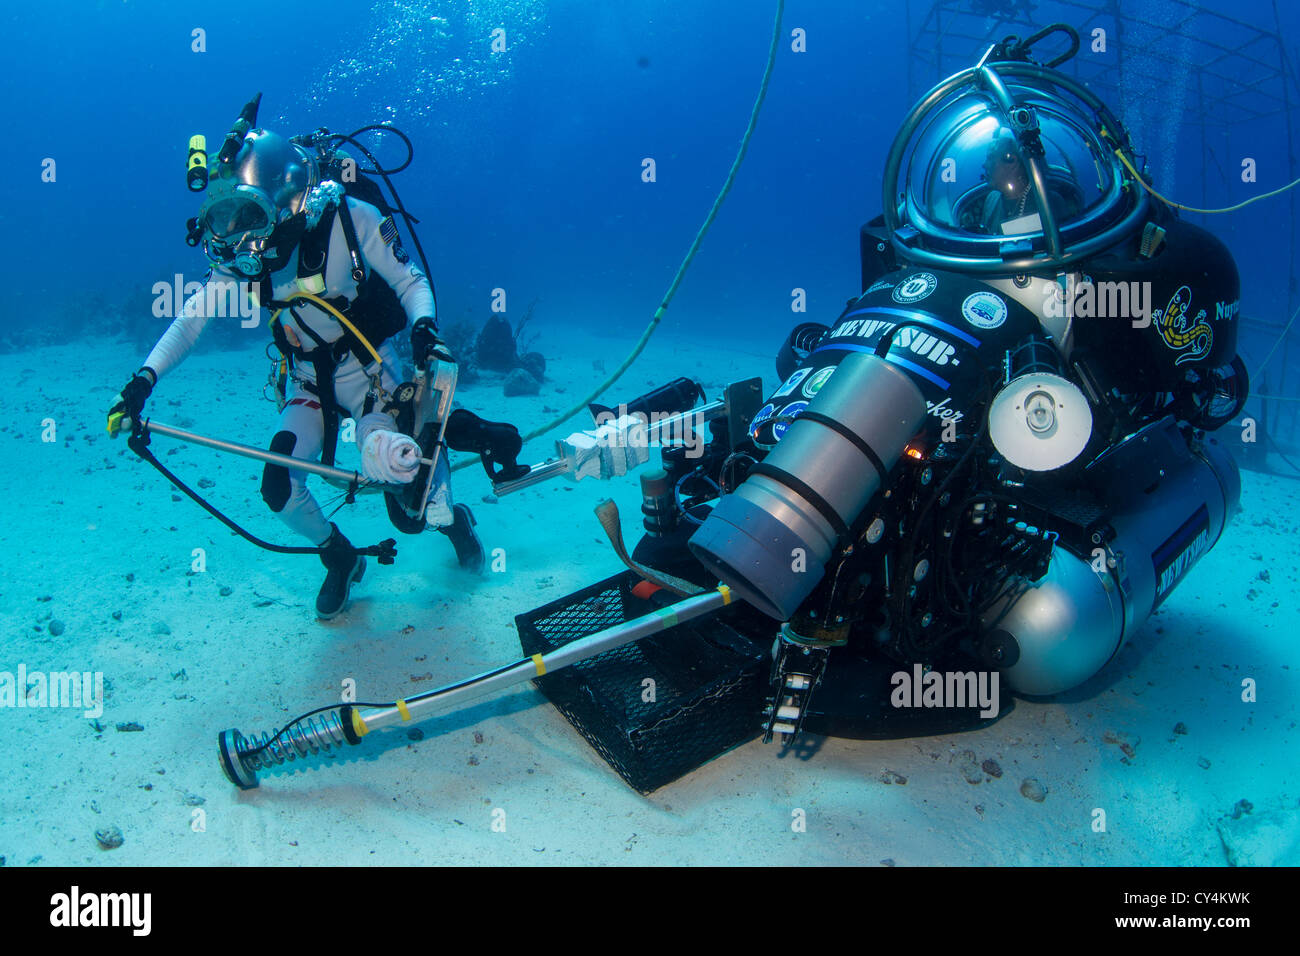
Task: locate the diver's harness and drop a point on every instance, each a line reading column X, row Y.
column 367, row 321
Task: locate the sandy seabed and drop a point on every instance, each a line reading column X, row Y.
column 98, row 541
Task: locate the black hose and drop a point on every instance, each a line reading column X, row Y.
column 383, row 173
column 139, row 443
column 379, row 170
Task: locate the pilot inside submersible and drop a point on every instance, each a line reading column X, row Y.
column 999, row 455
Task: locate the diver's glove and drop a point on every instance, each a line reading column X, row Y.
column 426, row 345
column 130, row 401
column 390, row 457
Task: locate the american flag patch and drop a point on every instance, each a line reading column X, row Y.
column 388, row 230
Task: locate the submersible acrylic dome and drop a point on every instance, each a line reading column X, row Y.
column 1009, row 167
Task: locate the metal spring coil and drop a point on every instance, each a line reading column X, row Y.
column 308, row 736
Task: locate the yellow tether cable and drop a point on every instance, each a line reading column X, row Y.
column 322, row 304
column 1147, row 186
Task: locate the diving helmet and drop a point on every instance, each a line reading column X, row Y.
column 263, row 190
column 1009, row 167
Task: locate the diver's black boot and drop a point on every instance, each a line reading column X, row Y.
column 469, row 549
column 344, row 567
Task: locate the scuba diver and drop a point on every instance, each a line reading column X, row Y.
column 278, row 220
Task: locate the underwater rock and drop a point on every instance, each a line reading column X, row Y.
column 160, row 627
column 1202, row 763
column 194, row 800
column 110, row 838
column 1180, row 728
column 891, row 776
column 992, row 768
column 495, row 347
column 56, row 627
column 1242, row 807
column 1031, row 789
column 970, row 770
column 467, row 374
column 534, row 363
column 207, row 483
column 1127, row 746
column 415, row 733
column 227, row 591
column 520, row 382
column 1268, row 838
column 130, row 727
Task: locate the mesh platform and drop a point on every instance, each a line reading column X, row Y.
column 710, row 682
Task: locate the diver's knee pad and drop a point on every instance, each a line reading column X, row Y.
column 276, row 485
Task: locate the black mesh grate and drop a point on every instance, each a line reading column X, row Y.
column 709, row 684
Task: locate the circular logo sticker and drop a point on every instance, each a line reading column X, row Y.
column 984, row 310
column 915, row 287
column 814, row 384
column 764, row 413
column 787, row 417
column 792, row 382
